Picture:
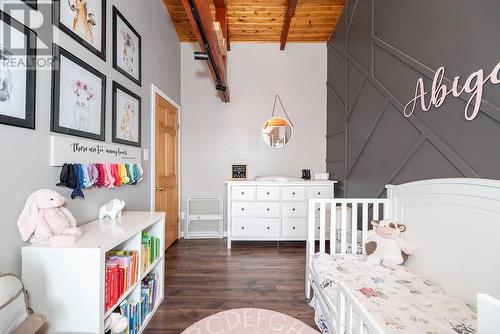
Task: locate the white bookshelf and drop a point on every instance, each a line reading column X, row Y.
column 68, row 283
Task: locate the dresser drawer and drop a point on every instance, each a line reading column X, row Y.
column 255, row 209
column 319, row 192
column 293, row 194
column 243, row 193
column 327, row 227
column 327, row 211
column 294, row 228
column 268, row 193
column 291, row 209
column 256, row 228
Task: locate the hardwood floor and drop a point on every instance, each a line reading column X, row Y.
column 203, row 278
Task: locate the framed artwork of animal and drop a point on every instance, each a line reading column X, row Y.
column 127, row 48
column 85, row 21
column 126, row 116
column 32, row 3
column 17, row 73
column 78, row 97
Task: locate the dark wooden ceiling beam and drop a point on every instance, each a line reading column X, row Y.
column 203, row 27
column 291, row 5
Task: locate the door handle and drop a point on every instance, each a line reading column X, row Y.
column 159, row 188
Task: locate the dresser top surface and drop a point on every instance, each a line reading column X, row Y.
column 280, row 183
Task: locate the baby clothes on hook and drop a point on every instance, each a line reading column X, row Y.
column 82, row 176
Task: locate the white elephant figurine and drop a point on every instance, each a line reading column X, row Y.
column 112, row 210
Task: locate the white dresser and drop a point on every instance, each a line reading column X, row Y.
column 258, row 210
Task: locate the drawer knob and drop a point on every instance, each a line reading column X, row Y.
column 243, row 227
column 268, row 193
column 243, row 193
column 293, row 228
column 268, row 209
column 319, row 228
column 242, row 209
column 293, row 209
column 319, row 209
column 319, row 193
column 293, row 193
column 268, row 228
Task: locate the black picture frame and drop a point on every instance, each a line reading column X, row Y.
column 114, row 139
column 239, row 172
column 32, row 3
column 118, row 15
column 56, row 95
column 30, row 104
column 56, row 18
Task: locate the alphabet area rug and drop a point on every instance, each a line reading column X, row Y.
column 249, row 321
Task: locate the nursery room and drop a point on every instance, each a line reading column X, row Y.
column 249, row 166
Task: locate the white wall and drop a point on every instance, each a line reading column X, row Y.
column 25, row 153
column 216, row 135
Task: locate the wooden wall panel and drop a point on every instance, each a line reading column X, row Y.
column 382, row 55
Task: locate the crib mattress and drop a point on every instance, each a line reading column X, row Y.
column 400, row 300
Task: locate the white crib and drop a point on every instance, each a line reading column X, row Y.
column 451, row 222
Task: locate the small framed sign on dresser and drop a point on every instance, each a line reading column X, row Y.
column 239, row 172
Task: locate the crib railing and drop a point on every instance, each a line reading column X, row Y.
column 327, row 216
column 352, row 317
column 360, row 213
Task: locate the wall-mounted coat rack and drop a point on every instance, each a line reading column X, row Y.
column 87, row 164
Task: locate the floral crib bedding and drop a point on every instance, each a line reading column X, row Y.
column 400, row 300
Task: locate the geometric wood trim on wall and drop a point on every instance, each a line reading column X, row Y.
column 432, row 149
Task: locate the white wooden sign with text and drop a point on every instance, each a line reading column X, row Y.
column 76, row 150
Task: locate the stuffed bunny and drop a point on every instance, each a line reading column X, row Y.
column 385, row 246
column 115, row 323
column 44, row 219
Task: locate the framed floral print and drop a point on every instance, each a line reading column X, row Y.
column 17, row 73
column 32, row 3
column 78, row 97
column 126, row 116
column 127, row 48
column 83, row 20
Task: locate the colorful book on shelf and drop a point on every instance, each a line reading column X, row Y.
column 150, row 249
column 137, row 312
column 132, row 311
column 121, row 274
column 129, row 254
column 149, row 291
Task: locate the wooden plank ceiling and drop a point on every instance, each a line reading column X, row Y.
column 262, row 20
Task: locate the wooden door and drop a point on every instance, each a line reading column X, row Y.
column 167, row 164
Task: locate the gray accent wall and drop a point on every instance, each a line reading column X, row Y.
column 25, row 154
column 376, row 54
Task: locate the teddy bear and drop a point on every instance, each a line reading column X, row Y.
column 44, row 219
column 385, row 245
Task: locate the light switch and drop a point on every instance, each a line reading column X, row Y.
column 146, row 154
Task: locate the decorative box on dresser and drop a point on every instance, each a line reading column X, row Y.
column 68, row 283
column 276, row 211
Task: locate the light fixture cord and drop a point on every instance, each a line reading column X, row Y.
column 278, row 98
